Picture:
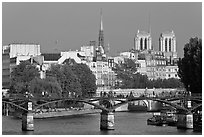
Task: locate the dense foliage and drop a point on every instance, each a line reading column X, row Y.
column 21, row 76
column 48, row 87
column 66, row 80
column 190, row 66
column 75, row 79
column 86, row 78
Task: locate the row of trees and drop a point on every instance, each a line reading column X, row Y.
column 61, row 80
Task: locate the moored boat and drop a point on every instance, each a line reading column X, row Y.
column 169, row 115
column 157, row 120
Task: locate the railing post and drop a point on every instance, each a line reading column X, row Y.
column 27, row 118
column 7, row 110
column 107, row 120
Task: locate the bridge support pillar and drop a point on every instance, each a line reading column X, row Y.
column 27, row 119
column 185, row 121
column 197, row 121
column 107, row 121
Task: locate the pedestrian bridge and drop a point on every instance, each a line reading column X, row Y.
column 106, row 104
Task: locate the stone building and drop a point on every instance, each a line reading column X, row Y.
column 5, row 68
column 13, row 54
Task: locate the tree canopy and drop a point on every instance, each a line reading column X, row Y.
column 68, row 81
column 86, row 78
column 190, row 66
column 48, row 87
column 21, row 76
column 65, row 80
column 24, row 72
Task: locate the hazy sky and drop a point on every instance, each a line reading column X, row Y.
column 75, row 24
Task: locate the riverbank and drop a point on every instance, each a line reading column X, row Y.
column 65, row 113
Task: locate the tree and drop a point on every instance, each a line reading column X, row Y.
column 68, row 81
column 48, row 87
column 21, row 76
column 125, row 72
column 24, row 72
column 190, row 66
column 86, row 78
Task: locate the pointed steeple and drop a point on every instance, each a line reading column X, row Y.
column 149, row 24
column 101, row 25
column 101, row 37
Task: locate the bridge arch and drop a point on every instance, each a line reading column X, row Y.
column 13, row 104
column 153, row 99
column 83, row 101
column 199, row 106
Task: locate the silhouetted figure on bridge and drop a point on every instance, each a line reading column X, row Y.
column 153, row 94
column 104, row 94
column 131, row 94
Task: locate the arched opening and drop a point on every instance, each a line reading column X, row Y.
column 141, row 44
column 169, row 45
column 166, row 44
column 145, row 43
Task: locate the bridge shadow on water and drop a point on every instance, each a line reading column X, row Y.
column 28, row 133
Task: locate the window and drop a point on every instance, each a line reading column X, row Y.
column 175, row 75
column 169, row 75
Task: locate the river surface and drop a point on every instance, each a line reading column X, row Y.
column 126, row 123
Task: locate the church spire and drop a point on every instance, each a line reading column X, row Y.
column 101, row 25
column 149, row 24
column 101, row 37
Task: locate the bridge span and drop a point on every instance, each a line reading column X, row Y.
column 106, row 104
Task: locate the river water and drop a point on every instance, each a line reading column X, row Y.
column 126, row 123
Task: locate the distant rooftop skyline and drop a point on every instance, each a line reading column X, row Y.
column 64, row 26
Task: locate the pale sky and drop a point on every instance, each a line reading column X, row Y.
column 75, row 24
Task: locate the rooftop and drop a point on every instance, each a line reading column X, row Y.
column 168, row 33
column 51, row 56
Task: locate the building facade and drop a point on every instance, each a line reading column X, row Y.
column 5, row 68
column 160, row 71
column 23, row 49
column 172, row 68
column 12, row 55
